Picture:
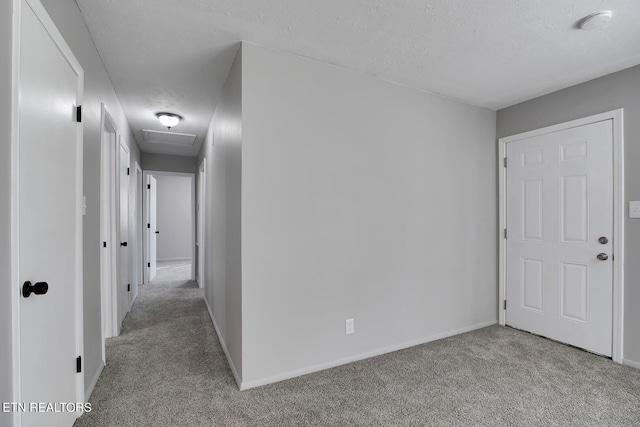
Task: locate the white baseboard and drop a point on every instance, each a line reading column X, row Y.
column 172, row 259
column 224, row 346
column 322, row 366
column 631, row 363
column 94, row 381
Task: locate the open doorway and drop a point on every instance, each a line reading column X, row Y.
column 170, row 226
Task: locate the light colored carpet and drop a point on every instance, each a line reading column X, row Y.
column 168, row 369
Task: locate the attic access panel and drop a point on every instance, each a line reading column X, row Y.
column 170, row 138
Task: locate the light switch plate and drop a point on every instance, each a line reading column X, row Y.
column 634, row 209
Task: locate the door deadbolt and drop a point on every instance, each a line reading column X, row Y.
column 603, row 240
column 603, row 257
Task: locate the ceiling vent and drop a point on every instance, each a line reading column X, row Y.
column 170, row 138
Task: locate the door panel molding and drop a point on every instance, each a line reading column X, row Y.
column 617, row 117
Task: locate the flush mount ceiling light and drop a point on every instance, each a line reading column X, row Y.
column 169, row 119
column 595, row 21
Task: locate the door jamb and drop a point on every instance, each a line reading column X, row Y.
column 618, row 217
column 15, row 249
column 138, row 221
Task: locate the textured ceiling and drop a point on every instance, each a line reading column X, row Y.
column 174, row 55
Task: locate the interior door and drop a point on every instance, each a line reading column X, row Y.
column 123, row 233
column 50, row 219
column 560, row 231
column 200, row 224
column 153, row 225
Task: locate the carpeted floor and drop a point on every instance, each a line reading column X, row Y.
column 168, row 369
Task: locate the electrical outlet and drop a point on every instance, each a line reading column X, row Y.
column 349, row 326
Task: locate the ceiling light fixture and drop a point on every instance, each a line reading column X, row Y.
column 595, row 21
column 169, row 119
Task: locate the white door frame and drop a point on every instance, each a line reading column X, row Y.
column 618, row 217
column 15, row 214
column 139, row 238
column 146, row 173
column 108, row 268
column 201, row 201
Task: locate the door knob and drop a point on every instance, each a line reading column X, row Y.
column 603, row 240
column 603, row 257
column 123, row 243
column 39, row 288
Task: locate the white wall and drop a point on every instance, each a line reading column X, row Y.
column 97, row 88
column 361, row 199
column 174, row 218
column 164, row 162
column 223, row 275
column 6, row 375
column 617, row 90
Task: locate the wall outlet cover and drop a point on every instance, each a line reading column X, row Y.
column 349, row 327
column 634, row 209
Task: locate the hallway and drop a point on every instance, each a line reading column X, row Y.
column 166, row 362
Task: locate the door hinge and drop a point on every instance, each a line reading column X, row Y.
column 505, row 304
column 128, row 287
column 78, row 364
column 128, row 173
column 79, row 114
column 505, row 162
column 149, row 264
column 148, row 225
column 505, row 233
column 104, row 244
column 148, row 186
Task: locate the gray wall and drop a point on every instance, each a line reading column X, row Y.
column 618, row 90
column 174, row 217
column 6, row 346
column 166, row 163
column 223, row 276
column 361, row 199
column 97, row 88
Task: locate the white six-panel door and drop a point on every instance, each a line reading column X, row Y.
column 559, row 216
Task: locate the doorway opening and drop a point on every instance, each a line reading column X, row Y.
column 170, row 243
